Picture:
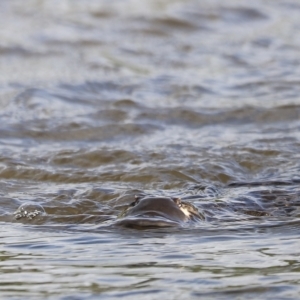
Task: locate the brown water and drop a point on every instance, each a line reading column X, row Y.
column 103, row 100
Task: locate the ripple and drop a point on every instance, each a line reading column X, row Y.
column 104, row 100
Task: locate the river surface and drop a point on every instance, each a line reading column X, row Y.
column 104, row 100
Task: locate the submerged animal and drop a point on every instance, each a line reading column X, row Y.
column 158, row 212
column 143, row 212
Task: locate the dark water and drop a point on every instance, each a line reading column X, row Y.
column 103, row 100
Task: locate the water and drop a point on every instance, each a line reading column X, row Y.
column 104, row 100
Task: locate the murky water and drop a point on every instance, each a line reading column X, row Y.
column 104, row 100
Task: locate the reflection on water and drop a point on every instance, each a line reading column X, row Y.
column 104, row 100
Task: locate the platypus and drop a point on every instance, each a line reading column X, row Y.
column 158, row 212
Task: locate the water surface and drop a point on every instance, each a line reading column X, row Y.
column 104, row 100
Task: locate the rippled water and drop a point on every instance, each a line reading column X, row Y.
column 104, row 100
